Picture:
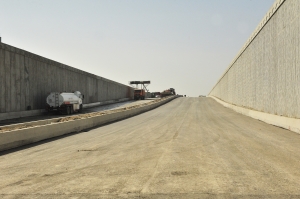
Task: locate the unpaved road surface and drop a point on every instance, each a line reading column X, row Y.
column 188, row 148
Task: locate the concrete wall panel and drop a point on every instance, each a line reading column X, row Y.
column 13, row 85
column 7, row 81
column 265, row 75
column 23, row 83
column 2, row 81
column 18, row 82
column 26, row 79
column 27, row 83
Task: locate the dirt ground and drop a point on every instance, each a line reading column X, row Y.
column 188, row 148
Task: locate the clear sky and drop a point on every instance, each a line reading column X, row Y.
column 183, row 44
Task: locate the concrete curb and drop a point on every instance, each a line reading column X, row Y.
column 291, row 124
column 49, row 129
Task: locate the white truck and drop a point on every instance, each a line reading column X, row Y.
column 64, row 102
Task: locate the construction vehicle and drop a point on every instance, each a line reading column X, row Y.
column 139, row 94
column 168, row 92
column 64, row 103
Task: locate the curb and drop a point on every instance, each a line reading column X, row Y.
column 288, row 123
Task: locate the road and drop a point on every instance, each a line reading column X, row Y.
column 188, row 148
column 86, row 110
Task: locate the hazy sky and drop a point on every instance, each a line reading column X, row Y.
column 184, row 44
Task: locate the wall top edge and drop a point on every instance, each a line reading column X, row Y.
column 52, row 62
column 260, row 26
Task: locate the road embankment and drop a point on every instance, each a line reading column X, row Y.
column 16, row 135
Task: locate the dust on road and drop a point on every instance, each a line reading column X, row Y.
column 188, row 148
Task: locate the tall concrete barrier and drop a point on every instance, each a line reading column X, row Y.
column 26, row 79
column 265, row 75
column 21, row 134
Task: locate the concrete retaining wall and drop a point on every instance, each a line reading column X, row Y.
column 26, row 79
column 265, row 75
column 50, row 128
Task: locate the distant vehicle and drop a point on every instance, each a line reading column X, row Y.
column 139, row 94
column 168, row 92
column 66, row 103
